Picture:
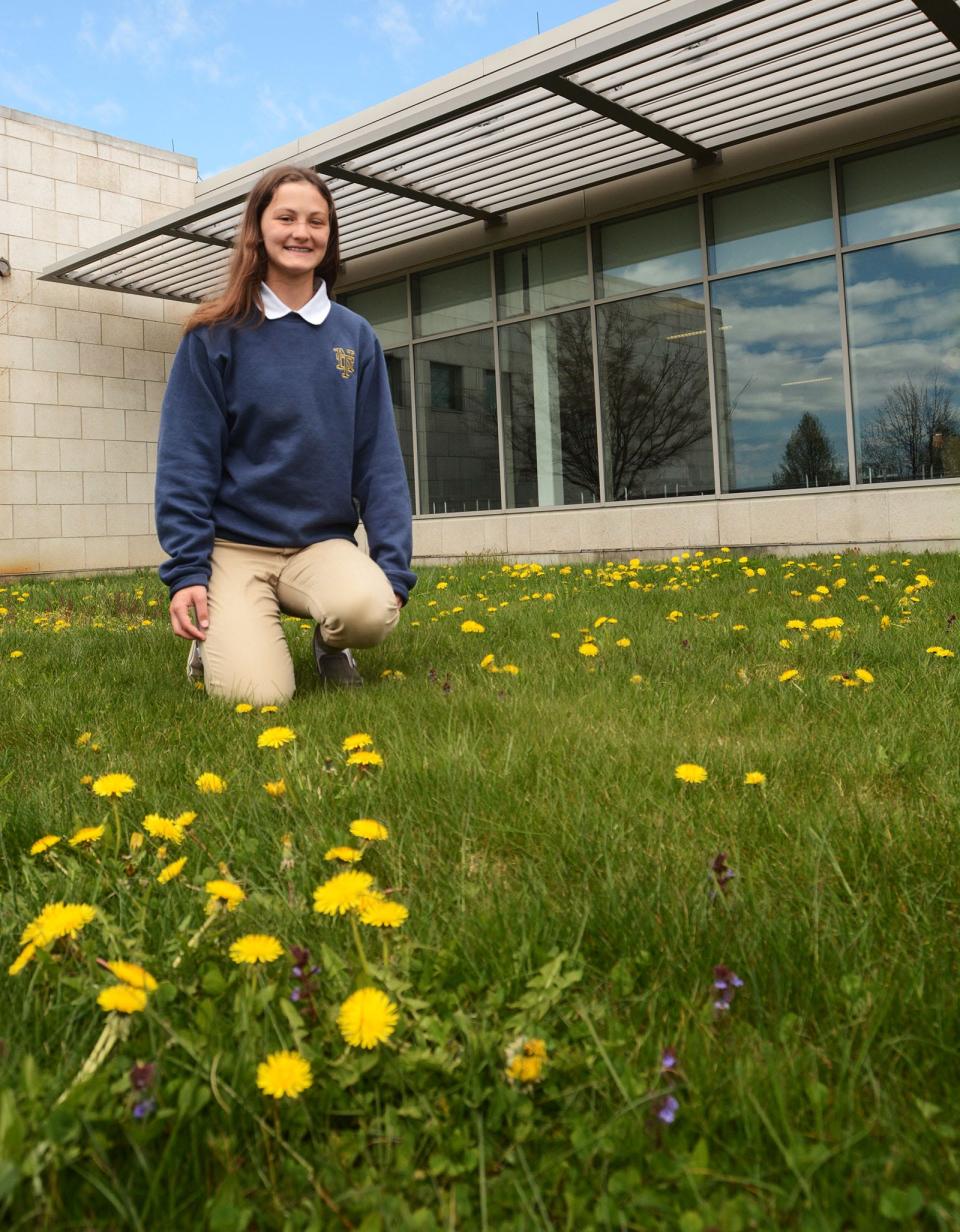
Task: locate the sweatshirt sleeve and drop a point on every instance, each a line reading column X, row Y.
column 193, row 438
column 379, row 477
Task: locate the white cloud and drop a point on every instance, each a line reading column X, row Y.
column 146, row 31
column 282, row 115
column 22, row 90
column 107, row 113
column 392, row 20
column 455, row 12
column 211, row 66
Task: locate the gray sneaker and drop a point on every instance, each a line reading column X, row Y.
column 336, row 668
column 195, row 664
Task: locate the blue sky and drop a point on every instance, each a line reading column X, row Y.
column 227, row 80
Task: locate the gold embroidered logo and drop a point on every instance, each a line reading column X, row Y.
column 346, row 362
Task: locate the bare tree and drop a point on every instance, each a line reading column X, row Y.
column 912, row 430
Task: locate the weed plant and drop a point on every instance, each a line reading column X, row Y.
column 683, row 897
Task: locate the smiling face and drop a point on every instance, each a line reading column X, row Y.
column 295, row 228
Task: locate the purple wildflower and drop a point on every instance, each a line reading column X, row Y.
column 668, row 1062
column 295, row 995
column 667, row 1109
column 144, row 1108
column 297, row 972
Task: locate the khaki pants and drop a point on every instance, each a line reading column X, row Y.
column 245, row 655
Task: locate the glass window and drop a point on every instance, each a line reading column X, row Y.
column 538, row 277
column 776, row 340
column 549, row 416
column 654, row 395
column 386, row 309
column 457, row 424
column 773, row 221
column 653, row 250
column 452, row 298
column 903, row 317
column 398, row 374
column 915, row 188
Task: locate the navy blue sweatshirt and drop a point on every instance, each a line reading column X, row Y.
column 268, row 436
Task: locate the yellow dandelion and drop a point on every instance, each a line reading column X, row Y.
column 525, row 1070
column 242, row 708
column 636, row 678
column 690, row 772
column 510, row 669
column 341, row 893
column 359, row 740
column 589, row 650
column 44, row 844
column 57, row 920
column 226, row 892
column 739, row 628
column 163, row 827
column 210, row 784
column 122, row 999
column 366, row 827
column 941, row 652
column 284, row 1075
column 86, row 780
column 472, row 626
column 114, row 785
column 381, row 912
column 789, row 674
column 275, row 788
column 796, row 624
column 364, row 757
column 185, row 819
column 367, row 1018
column 754, row 778
column 785, row 643
column 862, row 674
column 22, row 959
column 275, row 737
column 256, row 948
column 827, row 622
column 350, row 855
column 623, row 641
column 171, row 870
column 87, row 836
column 487, row 661
column 132, row 974
column 16, row 654
column 269, row 709
column 84, row 738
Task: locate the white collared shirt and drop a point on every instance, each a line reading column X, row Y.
column 315, row 310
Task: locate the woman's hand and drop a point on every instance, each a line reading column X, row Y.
column 190, row 600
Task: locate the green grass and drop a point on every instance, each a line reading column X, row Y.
column 559, row 885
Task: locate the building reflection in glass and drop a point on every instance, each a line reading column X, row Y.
column 780, row 382
column 457, row 423
column 903, row 313
column 654, row 396
column 549, row 420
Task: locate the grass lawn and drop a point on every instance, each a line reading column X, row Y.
column 746, row 991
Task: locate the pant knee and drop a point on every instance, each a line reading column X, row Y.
column 358, row 624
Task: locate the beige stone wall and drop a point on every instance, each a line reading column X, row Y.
column 82, row 371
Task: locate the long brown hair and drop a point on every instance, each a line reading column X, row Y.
column 240, row 302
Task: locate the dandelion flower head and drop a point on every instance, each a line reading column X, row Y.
column 359, row 740
column 364, row 757
column 122, row 999
column 57, row 920
column 171, row 870
column 44, row 844
column 256, row 948
column 381, row 912
column 366, row 827
column 284, row 1075
column 132, row 974
column 210, row 784
column 754, row 778
column 367, row 1018
column 690, row 772
column 341, row 893
column 349, row 855
column 163, row 828
column 226, row 892
column 275, row 788
column 114, row 785
column 275, row 737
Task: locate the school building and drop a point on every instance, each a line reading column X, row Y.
column 676, row 274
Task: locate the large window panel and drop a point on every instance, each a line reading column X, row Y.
column 903, row 318
column 385, row 307
column 537, row 277
column 777, row 358
column 915, row 188
column 773, row 221
column 455, row 297
column 549, row 416
column 398, row 374
column 457, row 424
column 654, row 395
column 652, row 250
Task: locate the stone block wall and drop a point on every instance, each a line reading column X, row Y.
column 82, row 371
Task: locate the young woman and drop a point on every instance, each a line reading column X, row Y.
column 277, row 430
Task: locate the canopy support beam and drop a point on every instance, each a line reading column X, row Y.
column 338, row 171
column 945, row 16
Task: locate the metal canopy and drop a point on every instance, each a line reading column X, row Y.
column 685, row 79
